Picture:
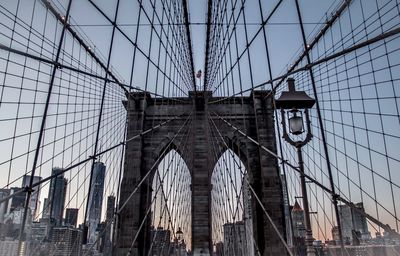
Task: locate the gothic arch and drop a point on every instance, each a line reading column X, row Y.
column 254, row 115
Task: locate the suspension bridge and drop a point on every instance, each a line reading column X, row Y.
column 182, row 127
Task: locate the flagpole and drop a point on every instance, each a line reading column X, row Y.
column 198, row 75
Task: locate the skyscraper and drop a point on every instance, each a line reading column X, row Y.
column 299, row 229
column 235, row 239
column 67, row 241
column 3, row 205
column 353, row 221
column 46, row 209
column 15, row 202
column 247, row 217
column 360, row 221
column 95, row 200
column 110, row 207
column 286, row 209
column 108, row 227
column 57, row 195
column 160, row 241
column 71, row 217
column 346, row 221
column 33, row 203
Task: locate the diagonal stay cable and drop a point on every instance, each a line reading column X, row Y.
column 256, row 196
column 153, row 166
column 386, row 227
column 93, row 157
column 169, row 191
column 161, row 180
column 373, row 40
column 241, row 191
column 136, row 188
column 60, row 65
column 136, row 45
column 253, row 39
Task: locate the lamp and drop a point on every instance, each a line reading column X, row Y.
column 295, row 122
column 294, row 105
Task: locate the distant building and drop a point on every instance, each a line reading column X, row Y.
column 109, row 225
column 336, row 234
column 34, row 200
column 71, row 217
column 17, row 201
column 101, row 237
column 360, row 221
column 95, row 200
column 17, row 215
column 3, row 205
column 247, row 218
column 67, row 241
column 40, row 231
column 353, row 222
column 235, row 239
column 346, row 221
column 9, row 247
column 56, row 198
column 363, row 250
column 299, row 229
column 286, row 209
column 110, row 207
column 46, row 209
column 160, row 239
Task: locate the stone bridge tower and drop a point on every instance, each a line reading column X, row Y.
column 253, row 115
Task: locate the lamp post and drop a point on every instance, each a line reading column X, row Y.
column 294, row 107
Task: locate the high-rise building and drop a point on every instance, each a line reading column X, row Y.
column 46, row 209
column 160, row 239
column 15, row 202
column 71, row 217
column 57, row 195
column 247, row 217
column 3, row 205
column 360, row 221
column 9, row 247
column 346, row 221
column 67, row 240
column 353, row 222
column 286, row 210
column 336, row 234
column 235, row 239
column 299, row 229
column 34, row 200
column 108, row 227
column 40, row 231
column 95, row 200
column 110, row 207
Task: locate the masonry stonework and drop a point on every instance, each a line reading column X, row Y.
column 196, row 143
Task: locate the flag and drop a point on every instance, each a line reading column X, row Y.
column 198, row 75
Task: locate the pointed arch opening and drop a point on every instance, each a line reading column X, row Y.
column 171, row 206
column 232, row 224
